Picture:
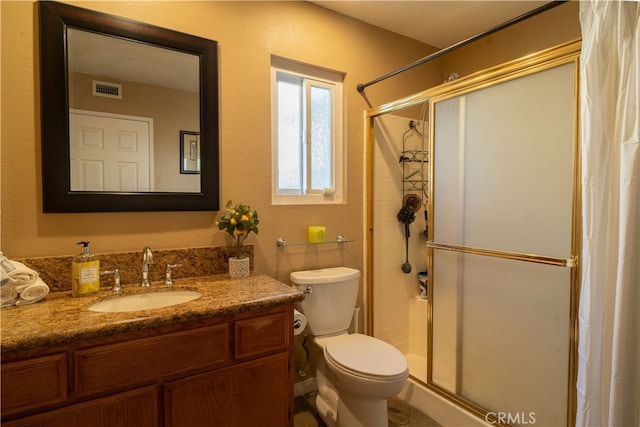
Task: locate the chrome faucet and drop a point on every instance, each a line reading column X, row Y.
column 168, row 280
column 147, row 258
column 117, row 287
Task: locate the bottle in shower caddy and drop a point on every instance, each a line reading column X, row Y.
column 423, row 284
column 85, row 272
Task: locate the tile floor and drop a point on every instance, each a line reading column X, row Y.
column 401, row 414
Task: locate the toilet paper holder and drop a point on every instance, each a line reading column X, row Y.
column 299, row 322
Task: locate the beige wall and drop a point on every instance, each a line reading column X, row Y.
column 248, row 33
column 548, row 29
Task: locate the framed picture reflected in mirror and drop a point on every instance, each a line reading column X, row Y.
column 189, row 152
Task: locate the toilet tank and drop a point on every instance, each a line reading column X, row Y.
column 329, row 307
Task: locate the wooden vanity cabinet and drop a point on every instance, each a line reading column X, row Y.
column 233, row 371
column 132, row 408
column 34, row 382
column 249, row 394
column 244, row 394
column 130, row 363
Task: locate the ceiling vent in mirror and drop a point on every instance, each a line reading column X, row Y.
column 109, row 90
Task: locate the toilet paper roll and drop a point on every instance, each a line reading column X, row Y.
column 299, row 322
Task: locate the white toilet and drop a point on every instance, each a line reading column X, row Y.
column 358, row 373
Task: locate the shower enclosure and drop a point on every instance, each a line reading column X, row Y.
column 401, row 169
column 495, row 336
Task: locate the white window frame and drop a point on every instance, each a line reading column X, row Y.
column 319, row 77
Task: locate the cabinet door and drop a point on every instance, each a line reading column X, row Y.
column 137, row 408
column 33, row 383
column 265, row 389
column 251, row 394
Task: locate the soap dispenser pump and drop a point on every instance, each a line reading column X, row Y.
column 85, row 274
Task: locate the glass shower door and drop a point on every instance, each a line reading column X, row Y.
column 502, row 250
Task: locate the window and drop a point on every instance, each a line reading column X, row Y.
column 307, row 134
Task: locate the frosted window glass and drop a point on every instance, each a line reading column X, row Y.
column 307, row 137
column 289, row 134
column 321, row 138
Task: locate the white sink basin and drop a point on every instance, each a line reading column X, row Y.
column 145, row 301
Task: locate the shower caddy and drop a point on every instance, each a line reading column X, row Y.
column 413, row 180
column 416, row 179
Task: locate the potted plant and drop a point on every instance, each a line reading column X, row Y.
column 239, row 221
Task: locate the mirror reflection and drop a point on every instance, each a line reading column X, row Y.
column 130, row 107
column 119, row 99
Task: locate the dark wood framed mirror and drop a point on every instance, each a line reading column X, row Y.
column 72, row 97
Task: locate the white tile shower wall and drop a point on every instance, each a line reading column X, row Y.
column 399, row 316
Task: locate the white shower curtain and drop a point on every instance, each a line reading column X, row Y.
column 609, row 315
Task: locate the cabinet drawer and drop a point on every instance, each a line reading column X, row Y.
column 144, row 360
column 136, row 408
column 262, row 334
column 33, row 383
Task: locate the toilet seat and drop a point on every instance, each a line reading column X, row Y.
column 365, row 356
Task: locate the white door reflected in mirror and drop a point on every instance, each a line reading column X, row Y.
column 110, row 152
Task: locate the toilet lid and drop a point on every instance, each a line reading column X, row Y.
column 366, row 356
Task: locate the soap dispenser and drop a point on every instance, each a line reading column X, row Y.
column 85, row 275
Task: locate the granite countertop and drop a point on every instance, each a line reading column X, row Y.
column 60, row 318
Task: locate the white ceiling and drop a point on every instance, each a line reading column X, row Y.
column 438, row 23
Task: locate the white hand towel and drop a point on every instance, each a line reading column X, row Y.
column 8, row 296
column 35, row 291
column 22, row 275
column 5, row 268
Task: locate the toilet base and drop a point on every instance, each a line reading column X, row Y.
column 354, row 411
column 327, row 398
column 327, row 410
column 341, row 408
